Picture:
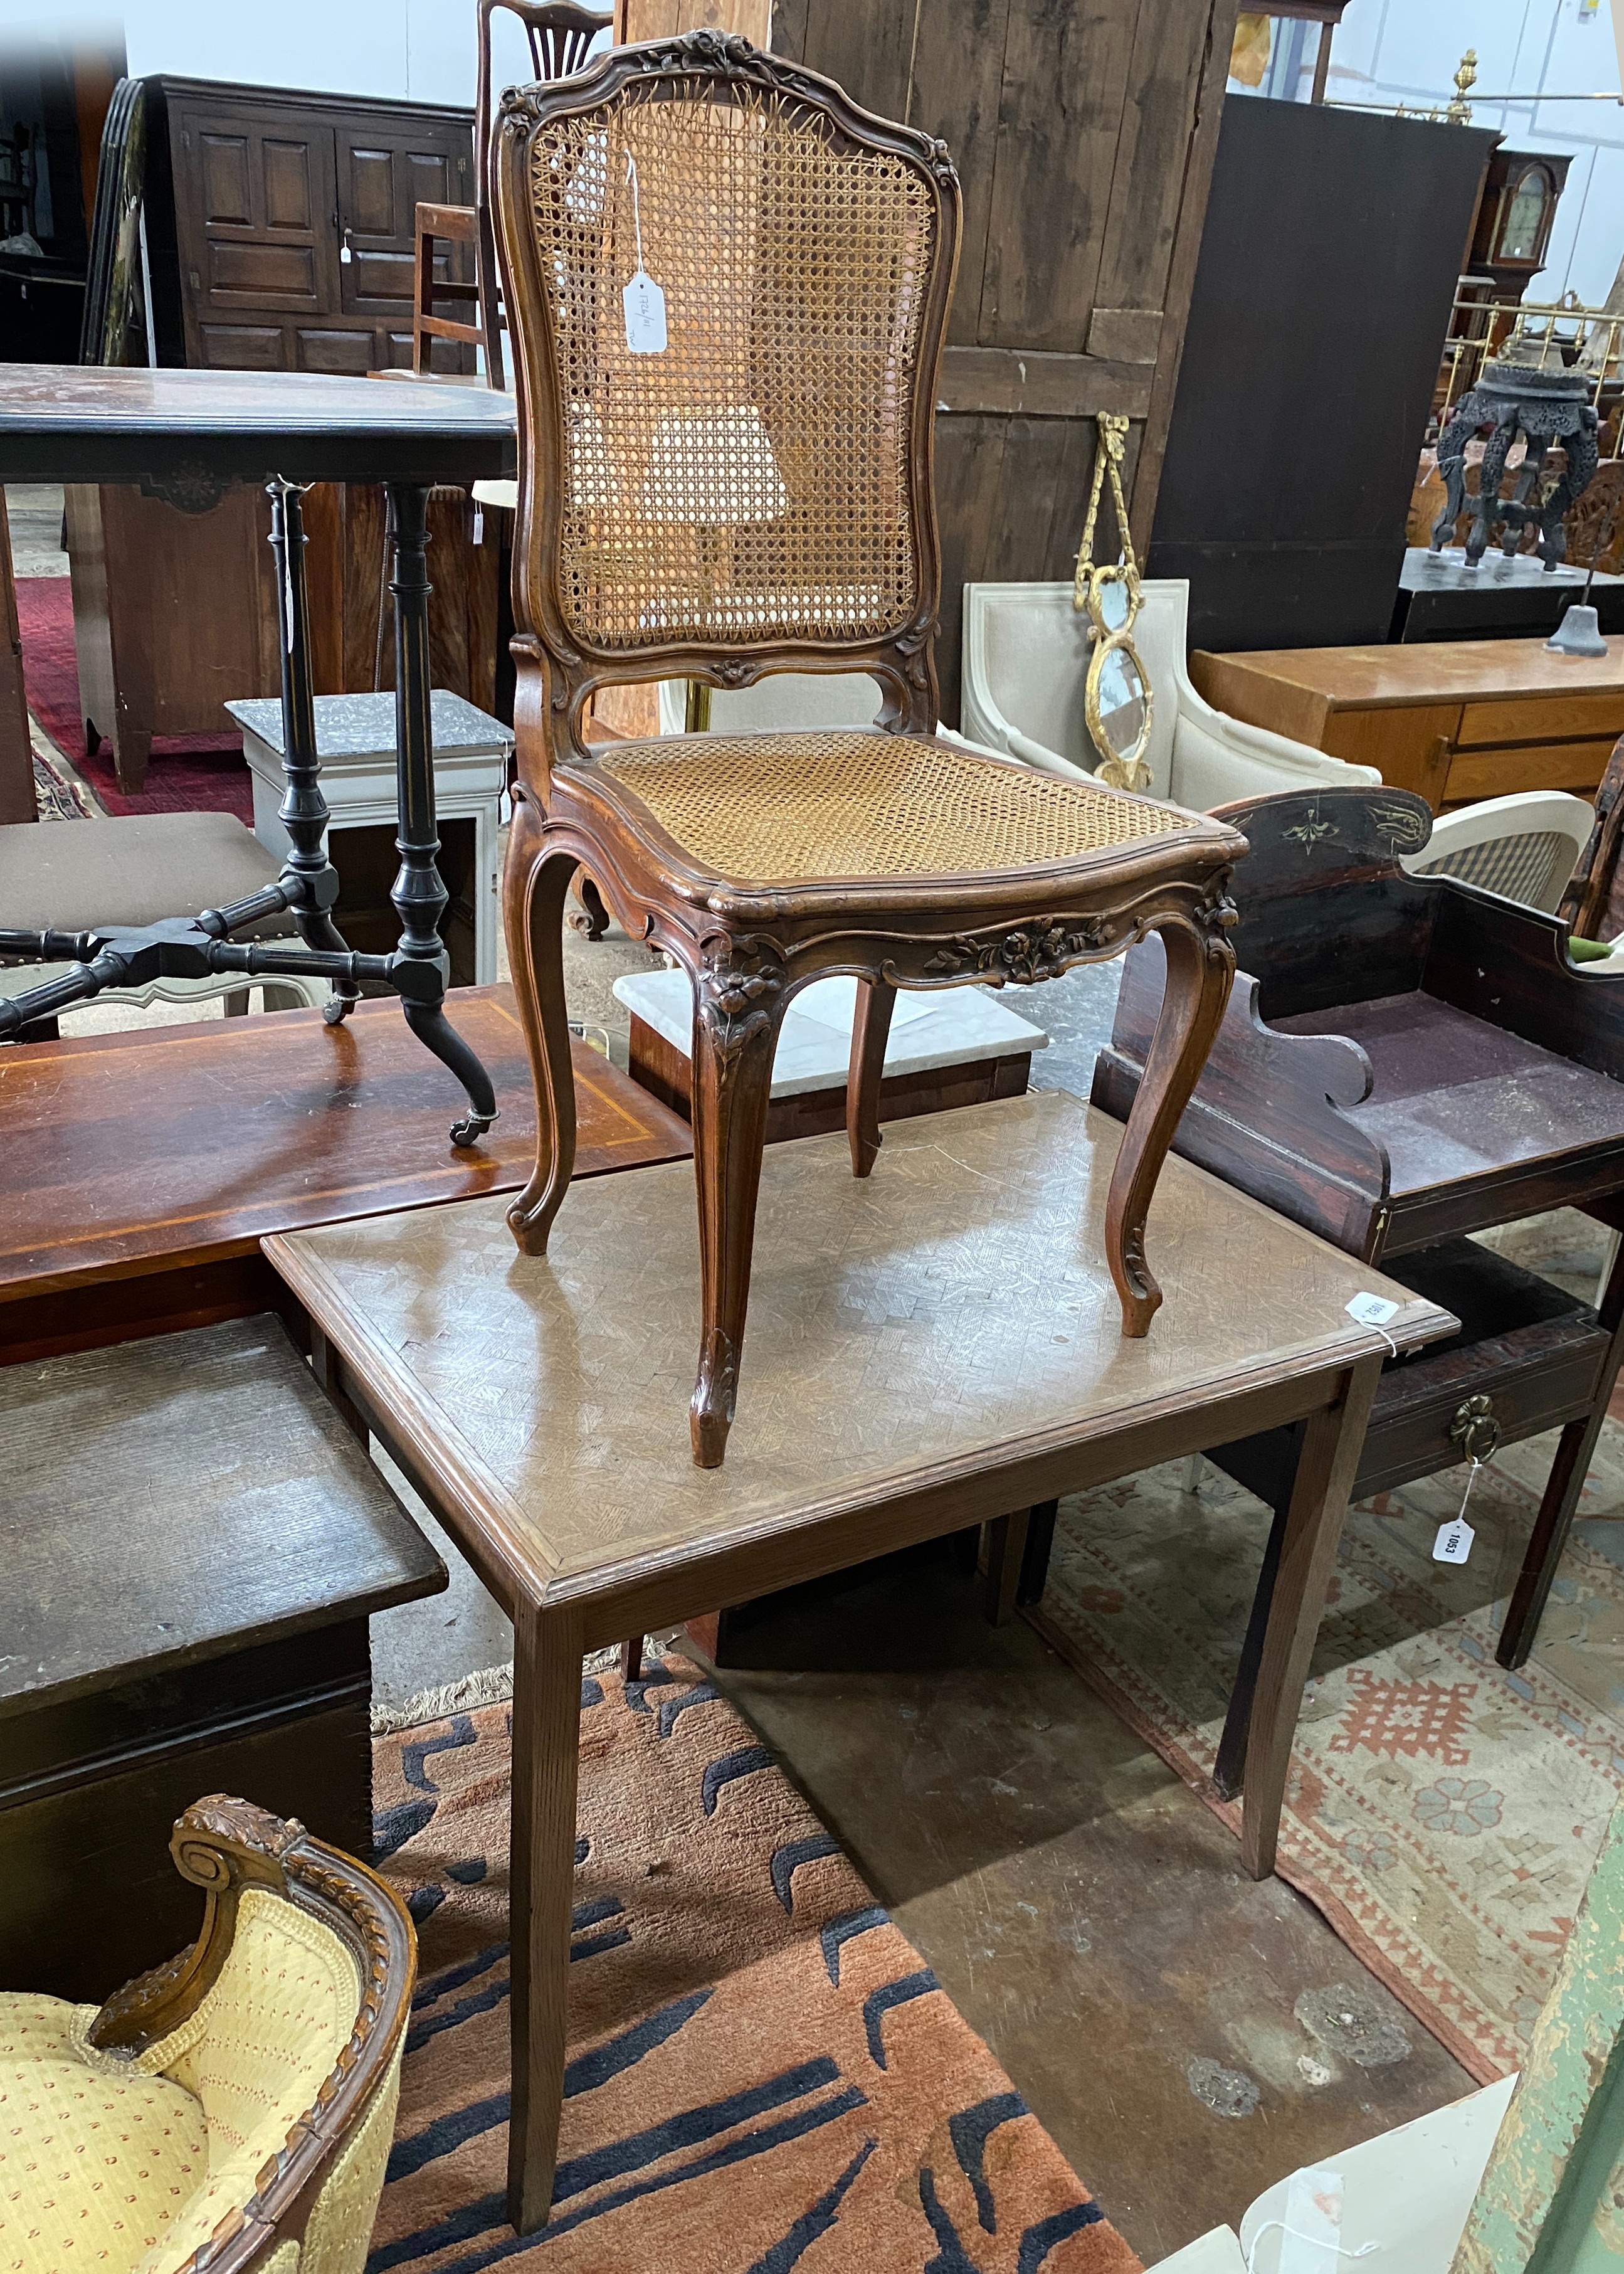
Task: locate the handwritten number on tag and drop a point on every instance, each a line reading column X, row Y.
column 645, row 315
column 1454, row 1543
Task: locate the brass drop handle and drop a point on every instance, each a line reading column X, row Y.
column 1475, row 1428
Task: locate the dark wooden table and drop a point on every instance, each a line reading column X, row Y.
column 930, row 1348
column 139, row 1171
column 187, row 436
column 194, row 1545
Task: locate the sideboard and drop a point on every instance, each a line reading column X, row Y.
column 1451, row 719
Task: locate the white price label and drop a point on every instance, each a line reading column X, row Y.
column 1454, row 1543
column 1371, row 1311
column 479, row 524
column 645, row 315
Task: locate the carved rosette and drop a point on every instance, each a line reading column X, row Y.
column 741, row 984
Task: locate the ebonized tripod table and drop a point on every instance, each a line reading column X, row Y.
column 185, row 436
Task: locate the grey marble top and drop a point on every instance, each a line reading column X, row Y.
column 363, row 725
column 1448, row 572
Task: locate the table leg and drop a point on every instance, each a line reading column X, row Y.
column 1332, row 1443
column 17, row 801
column 546, row 1740
column 420, row 968
column 303, row 811
column 1006, row 1552
column 1563, row 1486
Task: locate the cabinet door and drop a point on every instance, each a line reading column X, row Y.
column 385, row 167
column 255, row 215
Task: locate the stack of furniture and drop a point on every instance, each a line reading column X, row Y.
column 1407, row 1060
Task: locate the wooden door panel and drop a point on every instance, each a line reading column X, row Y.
column 370, row 208
column 241, row 269
column 227, row 197
column 289, row 189
column 241, row 347
column 330, row 348
column 383, row 170
column 254, row 207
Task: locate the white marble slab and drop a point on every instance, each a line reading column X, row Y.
column 952, row 1027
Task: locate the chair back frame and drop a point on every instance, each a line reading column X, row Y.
column 226, row 1846
column 559, row 672
column 559, row 33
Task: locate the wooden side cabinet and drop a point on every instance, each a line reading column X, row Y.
column 280, row 224
column 1451, row 719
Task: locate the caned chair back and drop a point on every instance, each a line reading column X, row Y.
column 755, row 492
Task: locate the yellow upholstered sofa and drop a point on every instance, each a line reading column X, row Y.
column 234, row 2108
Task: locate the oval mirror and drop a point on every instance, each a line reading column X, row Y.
column 1122, row 702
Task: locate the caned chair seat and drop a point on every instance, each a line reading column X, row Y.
column 861, row 807
column 727, row 290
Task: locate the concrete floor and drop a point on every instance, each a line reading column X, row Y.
column 1187, row 2036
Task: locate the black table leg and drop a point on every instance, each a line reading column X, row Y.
column 303, row 811
column 420, row 968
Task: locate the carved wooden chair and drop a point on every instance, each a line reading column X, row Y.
column 560, row 34
column 240, row 2099
column 758, row 497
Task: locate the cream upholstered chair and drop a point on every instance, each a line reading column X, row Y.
column 234, row 2108
column 1026, row 658
column 1523, row 847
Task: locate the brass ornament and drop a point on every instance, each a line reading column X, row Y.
column 1117, row 701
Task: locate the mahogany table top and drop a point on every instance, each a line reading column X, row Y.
column 139, row 1152
column 1427, row 671
column 66, row 422
column 943, row 1319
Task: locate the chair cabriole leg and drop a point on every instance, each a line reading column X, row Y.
column 534, row 890
column 870, row 1029
column 733, row 1054
column 1200, row 968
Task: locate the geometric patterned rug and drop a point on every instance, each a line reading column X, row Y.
column 1443, row 1813
column 762, row 2073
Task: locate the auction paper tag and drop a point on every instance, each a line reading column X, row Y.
column 1454, row 1543
column 1311, row 2241
column 1371, row 1311
column 645, row 314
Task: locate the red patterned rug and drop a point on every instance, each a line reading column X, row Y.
column 187, row 773
column 764, row 2072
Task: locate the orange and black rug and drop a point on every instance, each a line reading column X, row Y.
column 764, row 2072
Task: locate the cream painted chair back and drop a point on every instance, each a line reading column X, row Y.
column 1523, row 846
column 1025, row 660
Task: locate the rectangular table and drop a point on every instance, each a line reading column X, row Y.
column 930, row 1348
column 141, row 1170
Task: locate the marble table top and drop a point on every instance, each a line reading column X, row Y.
column 955, row 1026
column 363, row 725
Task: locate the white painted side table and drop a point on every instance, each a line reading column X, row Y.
column 355, row 740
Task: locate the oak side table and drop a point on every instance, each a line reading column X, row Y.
column 933, row 1347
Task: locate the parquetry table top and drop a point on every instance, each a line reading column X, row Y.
column 948, row 1316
